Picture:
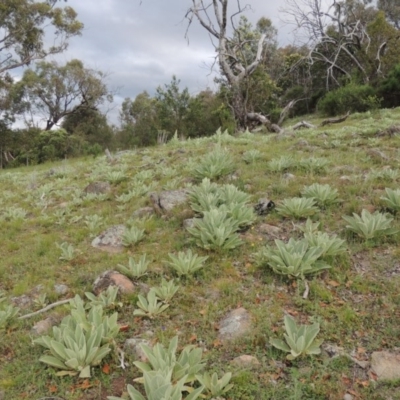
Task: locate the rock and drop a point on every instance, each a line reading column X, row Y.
column 143, row 212
column 302, row 143
column 264, row 206
column 348, row 396
column 167, row 200
column 288, row 176
column 377, row 155
column 345, row 178
column 188, row 223
column 23, row 301
column 386, row 365
column 245, row 361
column 61, row 289
column 43, row 326
column 269, row 229
column 132, row 346
column 110, row 240
column 98, row 188
column 236, row 324
column 113, row 278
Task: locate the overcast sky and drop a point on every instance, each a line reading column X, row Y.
column 142, row 44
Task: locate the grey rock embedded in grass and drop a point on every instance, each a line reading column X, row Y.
column 113, row 278
column 43, row 326
column 61, row 289
column 143, row 212
column 348, row 396
column 133, row 347
column 110, row 240
column 188, row 223
column 386, row 365
column 235, row 324
column 269, row 229
column 23, row 301
column 245, row 361
column 167, row 200
column 377, row 155
column 98, row 188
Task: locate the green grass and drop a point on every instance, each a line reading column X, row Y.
column 355, row 301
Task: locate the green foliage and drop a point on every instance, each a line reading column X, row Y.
column 186, row 365
column 389, row 88
column 314, row 165
column 7, row 314
column 23, row 24
column 80, row 342
column 132, row 235
column 186, row 263
column 323, row 195
column 281, row 164
column 251, row 156
column 216, row 230
column 106, row 299
column 214, row 386
column 13, row 214
column 166, row 291
column 68, row 251
column 297, row 207
column 135, row 269
column 208, row 196
column 352, row 97
column 158, row 386
column 331, row 245
column 213, row 165
column 93, row 222
column 60, row 90
column 150, row 306
column 295, row 258
column 392, row 199
column 300, row 339
column 370, row 226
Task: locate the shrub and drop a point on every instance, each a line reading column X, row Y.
column 354, row 98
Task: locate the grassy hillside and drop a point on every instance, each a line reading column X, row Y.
column 356, row 301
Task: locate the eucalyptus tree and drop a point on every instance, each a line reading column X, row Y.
column 54, row 91
column 23, row 28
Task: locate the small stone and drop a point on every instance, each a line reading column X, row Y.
column 43, row 326
column 61, row 289
column 236, row 324
column 113, row 278
column 188, row 223
column 133, row 347
column 143, row 212
column 345, row 178
column 288, row 176
column 348, row 396
column 386, row 365
column 110, row 240
column 98, row 188
column 23, row 301
column 245, row 361
column 167, row 200
column 269, row 229
column 377, row 154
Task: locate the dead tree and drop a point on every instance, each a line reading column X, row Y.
column 213, row 17
column 337, row 34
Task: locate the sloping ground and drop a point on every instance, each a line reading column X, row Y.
column 356, row 301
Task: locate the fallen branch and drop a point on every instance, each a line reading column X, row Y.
column 302, row 124
column 335, row 120
column 307, row 290
column 257, row 117
column 49, row 307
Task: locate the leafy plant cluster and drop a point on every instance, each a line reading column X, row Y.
column 167, row 376
column 81, row 341
column 298, row 258
column 224, row 210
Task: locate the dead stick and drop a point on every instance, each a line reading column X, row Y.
column 49, row 307
column 307, row 290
